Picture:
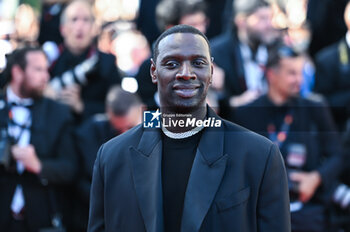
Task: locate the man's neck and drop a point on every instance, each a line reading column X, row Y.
column 253, row 45
column 75, row 51
column 15, row 90
column 276, row 98
column 14, row 95
column 173, row 115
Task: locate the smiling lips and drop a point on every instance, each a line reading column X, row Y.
column 186, row 90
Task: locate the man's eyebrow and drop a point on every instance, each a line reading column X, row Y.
column 177, row 56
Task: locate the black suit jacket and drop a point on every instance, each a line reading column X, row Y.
column 51, row 137
column 227, row 55
column 332, row 80
column 237, row 183
column 88, row 137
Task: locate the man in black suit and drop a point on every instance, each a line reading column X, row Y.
column 81, row 74
column 199, row 177
column 305, row 133
column 39, row 159
column 332, row 75
column 242, row 52
column 123, row 111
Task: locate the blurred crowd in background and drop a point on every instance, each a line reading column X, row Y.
column 281, row 69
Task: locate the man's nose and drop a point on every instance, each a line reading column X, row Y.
column 79, row 23
column 186, row 72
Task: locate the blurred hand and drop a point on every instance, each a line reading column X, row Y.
column 50, row 92
column 245, row 98
column 71, row 96
column 28, row 157
column 308, row 183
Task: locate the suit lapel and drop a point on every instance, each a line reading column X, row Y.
column 207, row 171
column 38, row 123
column 4, row 112
column 146, row 171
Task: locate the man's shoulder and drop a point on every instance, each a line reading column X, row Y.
column 244, row 135
column 329, row 52
column 54, row 106
column 243, row 145
column 254, row 109
column 223, row 44
column 123, row 141
column 236, row 134
column 53, row 109
column 110, row 58
column 222, row 40
column 92, row 124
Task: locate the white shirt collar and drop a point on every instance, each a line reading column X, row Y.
column 347, row 38
column 12, row 97
column 261, row 55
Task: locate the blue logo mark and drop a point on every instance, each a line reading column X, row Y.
column 151, row 119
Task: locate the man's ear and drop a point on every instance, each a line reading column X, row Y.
column 269, row 73
column 16, row 73
column 240, row 21
column 153, row 72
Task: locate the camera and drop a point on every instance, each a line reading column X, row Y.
column 295, row 160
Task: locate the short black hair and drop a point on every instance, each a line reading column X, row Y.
column 278, row 52
column 170, row 12
column 177, row 29
column 18, row 57
column 120, row 101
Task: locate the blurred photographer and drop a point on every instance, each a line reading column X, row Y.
column 305, row 133
column 81, row 74
column 37, row 155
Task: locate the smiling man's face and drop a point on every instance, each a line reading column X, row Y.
column 182, row 71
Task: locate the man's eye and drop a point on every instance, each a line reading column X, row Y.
column 198, row 63
column 86, row 20
column 171, row 64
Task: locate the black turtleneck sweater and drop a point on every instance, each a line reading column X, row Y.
column 177, row 160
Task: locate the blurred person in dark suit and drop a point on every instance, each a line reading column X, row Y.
column 81, row 74
column 37, row 155
column 242, row 52
column 332, row 75
column 326, row 22
column 305, row 133
column 51, row 11
column 123, row 111
column 146, row 20
column 341, row 197
column 218, row 12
